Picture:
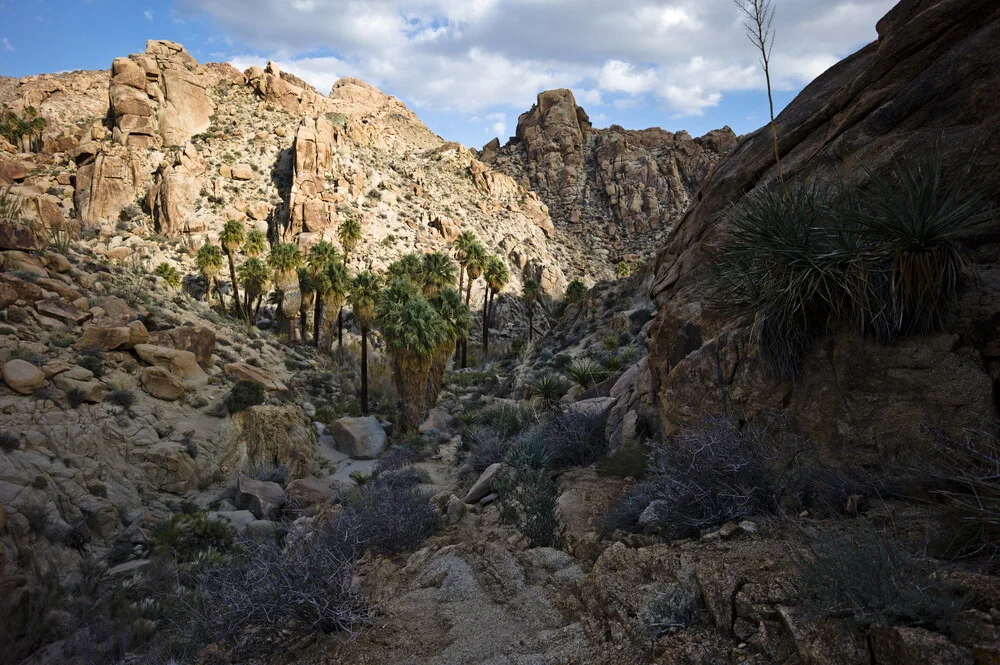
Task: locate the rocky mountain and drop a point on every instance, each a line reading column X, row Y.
column 623, row 189
column 925, row 86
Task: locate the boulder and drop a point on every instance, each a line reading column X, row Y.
column 897, row 645
column 15, row 235
column 8, row 296
column 23, row 377
column 117, row 338
column 310, row 491
column 484, row 484
column 199, row 340
column 91, row 390
column 260, row 497
column 116, row 310
column 181, row 364
column 242, row 172
column 238, row 518
column 359, row 438
column 60, row 311
column 438, row 420
column 243, row 371
column 161, row 384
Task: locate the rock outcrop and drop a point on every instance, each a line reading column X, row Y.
column 928, row 83
column 620, row 184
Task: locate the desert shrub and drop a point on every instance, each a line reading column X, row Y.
column 61, row 338
column 506, row 419
column 10, row 204
column 394, row 459
column 870, row 577
column 715, row 471
column 528, row 493
column 37, row 516
column 613, row 362
column 244, row 395
column 966, row 476
column 75, row 397
column 93, row 362
column 268, row 473
column 9, row 442
column 122, row 397
column 673, row 606
column 573, row 438
column 275, row 594
column 390, row 514
column 182, row 536
column 547, row 390
column 27, row 624
column 585, row 372
column 623, row 513
column 486, row 447
column 169, row 275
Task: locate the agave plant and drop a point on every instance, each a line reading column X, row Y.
column 547, row 390
column 585, row 372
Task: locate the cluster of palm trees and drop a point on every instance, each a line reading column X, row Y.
column 417, row 304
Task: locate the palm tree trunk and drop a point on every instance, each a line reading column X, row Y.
column 414, row 379
column 486, row 324
column 292, row 325
column 340, row 329
column 232, row 278
column 461, row 277
column 218, row 292
column 317, row 319
column 435, row 379
column 364, row 370
column 256, row 310
column 531, row 327
column 302, row 322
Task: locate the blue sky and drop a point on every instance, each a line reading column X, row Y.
column 470, row 67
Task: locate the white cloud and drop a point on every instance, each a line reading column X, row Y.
column 7, row 46
column 477, row 56
column 148, row 14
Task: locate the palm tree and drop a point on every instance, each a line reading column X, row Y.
column 413, row 332
column 255, row 275
column 496, row 274
column 409, row 267
column 255, row 243
column 321, row 255
column 334, row 298
column 209, row 262
column 307, row 287
column 365, row 290
column 232, row 236
column 350, row 235
column 285, row 258
column 457, row 320
column 529, row 293
column 437, row 271
column 475, row 259
column 463, row 243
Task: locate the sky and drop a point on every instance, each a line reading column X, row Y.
column 470, row 67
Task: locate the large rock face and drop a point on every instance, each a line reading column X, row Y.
column 158, row 97
column 930, row 80
column 616, row 183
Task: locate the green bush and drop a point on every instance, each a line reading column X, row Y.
column 870, row 577
column 92, row 362
column 244, row 395
column 169, row 275
column 673, row 606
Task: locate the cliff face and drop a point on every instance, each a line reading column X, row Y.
column 620, row 187
column 928, row 83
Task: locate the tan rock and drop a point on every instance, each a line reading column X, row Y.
column 182, row 364
column 23, row 377
column 200, row 340
column 91, row 390
column 250, row 373
column 113, row 338
column 161, row 384
column 242, row 172
column 14, row 235
column 266, row 435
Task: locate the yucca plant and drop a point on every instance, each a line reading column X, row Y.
column 781, row 266
column 547, row 390
column 585, row 372
column 613, row 362
column 914, row 220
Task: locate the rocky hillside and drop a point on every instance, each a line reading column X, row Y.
column 926, row 85
column 620, row 190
